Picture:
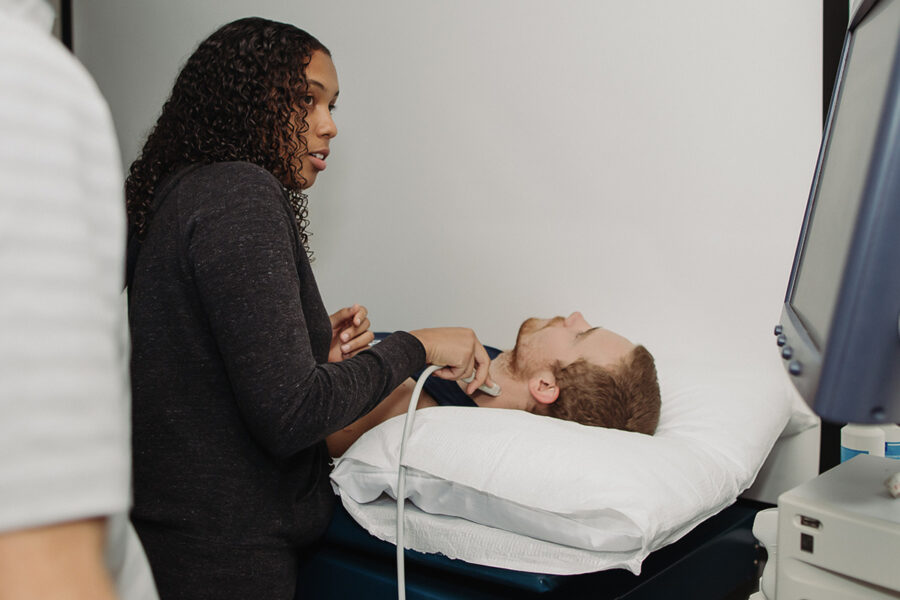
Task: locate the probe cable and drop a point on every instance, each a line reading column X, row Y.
column 401, row 477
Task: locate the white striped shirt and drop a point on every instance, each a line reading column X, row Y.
column 64, row 390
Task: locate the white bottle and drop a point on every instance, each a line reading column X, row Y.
column 861, row 439
column 891, row 440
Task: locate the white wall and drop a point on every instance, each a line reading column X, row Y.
column 646, row 163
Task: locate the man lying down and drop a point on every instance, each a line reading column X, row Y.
column 559, row 367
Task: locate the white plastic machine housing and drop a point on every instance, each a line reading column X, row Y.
column 839, row 535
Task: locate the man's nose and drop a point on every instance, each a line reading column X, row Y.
column 576, row 318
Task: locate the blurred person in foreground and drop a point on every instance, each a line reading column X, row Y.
column 64, row 392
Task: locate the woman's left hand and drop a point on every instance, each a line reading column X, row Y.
column 349, row 332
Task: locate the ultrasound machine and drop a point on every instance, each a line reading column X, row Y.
column 838, row 535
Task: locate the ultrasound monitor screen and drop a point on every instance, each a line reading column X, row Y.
column 844, row 168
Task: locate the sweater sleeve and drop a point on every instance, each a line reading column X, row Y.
column 242, row 257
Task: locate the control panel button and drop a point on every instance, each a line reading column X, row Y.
column 781, row 340
column 778, row 329
column 787, row 352
column 795, row 368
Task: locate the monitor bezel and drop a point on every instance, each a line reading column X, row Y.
column 827, row 368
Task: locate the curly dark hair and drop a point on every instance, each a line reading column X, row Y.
column 237, row 98
column 622, row 397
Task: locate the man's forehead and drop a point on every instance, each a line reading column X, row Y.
column 604, row 347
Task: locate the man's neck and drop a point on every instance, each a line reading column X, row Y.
column 513, row 394
column 513, row 391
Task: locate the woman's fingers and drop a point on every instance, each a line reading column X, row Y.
column 352, row 331
column 460, row 353
column 482, row 365
column 351, row 316
column 357, row 344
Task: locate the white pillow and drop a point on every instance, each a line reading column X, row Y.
column 613, row 495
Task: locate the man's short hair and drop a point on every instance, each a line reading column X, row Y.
column 622, row 397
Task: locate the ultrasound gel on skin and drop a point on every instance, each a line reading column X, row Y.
column 861, row 439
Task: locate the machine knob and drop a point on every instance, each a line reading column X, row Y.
column 795, row 368
column 787, row 352
column 781, row 340
column 778, row 329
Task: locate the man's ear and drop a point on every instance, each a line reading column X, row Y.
column 543, row 388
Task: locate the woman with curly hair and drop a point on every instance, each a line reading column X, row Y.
column 238, row 372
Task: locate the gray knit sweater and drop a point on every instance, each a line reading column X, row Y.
column 232, row 394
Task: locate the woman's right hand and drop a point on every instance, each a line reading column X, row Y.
column 460, row 353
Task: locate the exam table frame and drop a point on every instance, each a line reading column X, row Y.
column 718, row 557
